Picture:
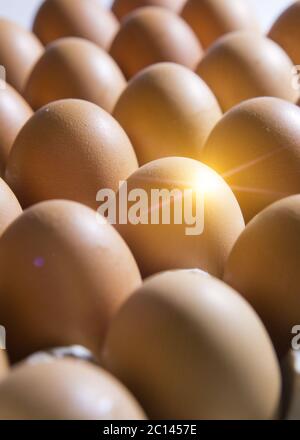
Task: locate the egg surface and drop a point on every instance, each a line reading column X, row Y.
column 189, row 347
column 69, row 149
column 211, row 19
column 264, row 267
column 244, row 65
column 10, row 208
column 123, row 7
column 64, row 273
column 19, row 51
column 151, row 35
column 77, row 18
column 175, row 111
column 3, row 364
column 65, row 390
column 75, row 68
column 181, row 214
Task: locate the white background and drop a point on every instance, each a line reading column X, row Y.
column 23, row 11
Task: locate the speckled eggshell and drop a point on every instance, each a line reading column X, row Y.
column 244, row 65
column 75, row 68
column 159, row 246
column 65, row 390
column 175, row 111
column 264, row 267
column 19, row 51
column 14, row 112
column 64, row 272
column 189, row 347
column 256, row 148
column 77, row 18
column 69, row 149
column 211, row 19
column 151, row 35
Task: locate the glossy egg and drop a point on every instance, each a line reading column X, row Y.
column 256, row 148
column 286, row 31
column 123, row 7
column 69, row 149
column 65, row 390
column 14, row 112
column 189, row 347
column 77, row 18
column 19, row 51
column 244, row 65
column 202, row 239
column 10, row 208
column 151, row 35
column 264, row 267
column 175, row 111
column 66, row 290
column 211, row 19
column 75, row 68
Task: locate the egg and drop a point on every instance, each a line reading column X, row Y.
column 69, row 149
column 291, row 377
column 186, row 217
column 175, row 111
column 14, row 112
column 286, row 31
column 256, row 148
column 3, row 365
column 10, row 208
column 64, row 272
column 123, row 7
column 264, row 267
column 244, row 65
column 211, row 19
column 189, row 347
column 65, row 390
column 151, row 35
column 75, row 68
column 19, row 51
column 77, row 18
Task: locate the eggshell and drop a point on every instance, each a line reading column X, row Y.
column 77, row 18
column 75, row 68
column 123, row 7
column 244, row 65
column 256, row 148
column 286, row 31
column 64, row 271
column 151, row 35
column 65, row 390
column 3, row 364
column 189, row 347
column 69, row 149
column 291, row 379
column 14, row 112
column 175, row 111
column 211, row 19
column 10, row 208
column 264, row 267
column 19, row 51
column 160, row 246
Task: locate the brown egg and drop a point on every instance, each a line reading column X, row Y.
column 264, row 267
column 286, row 31
column 256, row 148
column 14, row 112
column 189, row 347
column 75, row 68
column 3, row 364
column 19, row 51
column 210, row 19
column 244, row 65
column 64, row 271
column 202, row 233
column 65, row 390
column 69, row 149
column 10, row 208
column 151, row 35
column 123, row 7
column 77, row 18
column 175, row 111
